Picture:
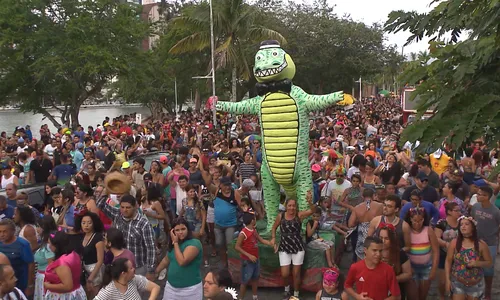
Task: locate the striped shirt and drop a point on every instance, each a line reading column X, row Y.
column 138, row 234
column 246, row 170
column 138, row 283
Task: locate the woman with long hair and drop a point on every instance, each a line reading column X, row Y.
column 120, row 282
column 25, row 219
column 156, row 171
column 62, row 276
column 466, row 257
column 446, row 230
column 291, row 247
column 183, row 262
column 93, row 174
column 194, row 212
column 257, row 196
column 43, row 256
column 84, row 200
column 370, row 179
column 48, row 202
column 393, row 255
column 151, row 207
column 63, row 210
column 93, row 250
column 424, row 253
column 449, row 190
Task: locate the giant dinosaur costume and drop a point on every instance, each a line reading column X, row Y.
column 283, row 111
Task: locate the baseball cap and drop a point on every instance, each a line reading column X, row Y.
column 193, row 160
column 206, row 127
column 248, row 183
column 125, row 165
column 458, row 172
column 225, row 180
column 316, row 168
column 480, row 183
column 20, row 140
column 79, row 146
column 106, row 124
column 422, row 176
column 163, row 159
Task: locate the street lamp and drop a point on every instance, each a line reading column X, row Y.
column 359, row 87
column 212, row 71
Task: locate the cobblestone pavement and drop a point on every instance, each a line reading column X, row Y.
column 276, row 293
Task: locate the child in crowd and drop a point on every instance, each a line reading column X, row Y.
column 247, row 246
column 332, row 287
column 314, row 241
column 328, row 220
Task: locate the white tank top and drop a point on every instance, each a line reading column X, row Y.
column 6, row 181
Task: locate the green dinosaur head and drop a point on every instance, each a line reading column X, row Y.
column 272, row 63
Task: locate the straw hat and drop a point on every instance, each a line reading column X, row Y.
column 117, row 183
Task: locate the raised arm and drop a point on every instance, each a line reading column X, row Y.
column 246, row 107
column 317, row 102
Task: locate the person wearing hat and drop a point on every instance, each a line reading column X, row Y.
column 226, row 204
column 318, row 182
column 7, row 176
column 77, row 155
column 21, row 146
column 425, row 166
column 335, row 188
column 317, row 157
column 474, row 189
column 428, row 193
column 463, row 190
column 195, row 174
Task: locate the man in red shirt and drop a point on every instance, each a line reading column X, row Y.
column 374, row 280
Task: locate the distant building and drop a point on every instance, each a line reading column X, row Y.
column 150, row 13
column 133, row 1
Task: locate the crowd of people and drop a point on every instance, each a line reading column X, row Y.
column 113, row 225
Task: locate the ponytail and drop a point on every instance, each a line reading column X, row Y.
column 114, row 270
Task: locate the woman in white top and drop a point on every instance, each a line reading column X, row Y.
column 120, row 282
column 25, row 219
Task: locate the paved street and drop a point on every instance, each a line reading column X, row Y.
column 276, row 293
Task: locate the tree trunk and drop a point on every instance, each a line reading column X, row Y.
column 51, row 118
column 234, row 81
column 74, row 112
column 197, row 100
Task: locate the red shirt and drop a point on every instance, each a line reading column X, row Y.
column 376, row 282
column 250, row 243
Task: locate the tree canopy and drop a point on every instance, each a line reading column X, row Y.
column 459, row 78
column 58, row 54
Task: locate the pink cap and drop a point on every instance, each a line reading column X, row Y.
column 316, row 168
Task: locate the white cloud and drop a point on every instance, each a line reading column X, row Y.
column 373, row 11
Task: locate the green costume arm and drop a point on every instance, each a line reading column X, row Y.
column 246, row 107
column 317, row 102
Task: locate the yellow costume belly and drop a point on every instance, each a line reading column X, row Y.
column 280, row 128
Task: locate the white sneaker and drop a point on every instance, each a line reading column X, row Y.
column 162, row 275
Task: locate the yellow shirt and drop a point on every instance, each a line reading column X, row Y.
column 439, row 165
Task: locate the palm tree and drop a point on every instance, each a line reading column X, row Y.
column 235, row 26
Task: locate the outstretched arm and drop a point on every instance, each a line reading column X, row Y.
column 317, row 102
column 246, row 107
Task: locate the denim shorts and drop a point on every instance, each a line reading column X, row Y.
column 223, row 235
column 249, row 271
column 421, row 272
column 491, row 270
column 458, row 288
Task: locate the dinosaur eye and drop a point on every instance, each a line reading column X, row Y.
column 275, row 53
column 258, row 57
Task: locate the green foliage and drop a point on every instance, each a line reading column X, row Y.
column 61, row 53
column 459, row 78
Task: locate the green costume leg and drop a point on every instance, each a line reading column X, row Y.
column 303, row 183
column 271, row 195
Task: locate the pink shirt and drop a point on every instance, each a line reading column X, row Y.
column 71, row 260
column 173, row 194
column 128, row 255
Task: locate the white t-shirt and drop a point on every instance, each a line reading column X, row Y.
column 49, row 150
column 352, row 170
column 180, row 195
column 21, row 149
column 335, row 190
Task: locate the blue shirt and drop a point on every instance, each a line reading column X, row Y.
column 20, row 256
column 430, row 210
column 12, row 203
column 225, row 212
column 8, row 212
column 63, row 173
column 77, row 158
